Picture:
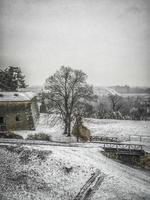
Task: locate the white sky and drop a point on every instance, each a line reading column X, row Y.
column 108, row 39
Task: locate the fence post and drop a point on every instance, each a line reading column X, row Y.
column 140, row 138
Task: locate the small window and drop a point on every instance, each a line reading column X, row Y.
column 1, row 120
column 17, row 118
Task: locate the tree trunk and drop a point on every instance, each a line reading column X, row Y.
column 69, row 127
column 66, row 128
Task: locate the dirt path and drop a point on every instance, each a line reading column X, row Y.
column 47, row 143
column 90, row 186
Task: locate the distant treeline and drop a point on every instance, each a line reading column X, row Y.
column 128, row 89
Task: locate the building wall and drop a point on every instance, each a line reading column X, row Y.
column 17, row 115
column 35, row 111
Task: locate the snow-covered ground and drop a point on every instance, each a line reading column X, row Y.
column 50, row 125
column 102, row 127
column 39, row 173
column 121, row 129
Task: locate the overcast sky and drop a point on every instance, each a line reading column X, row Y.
column 108, row 39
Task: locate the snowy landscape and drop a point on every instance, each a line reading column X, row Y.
column 54, row 145
column 59, row 172
column 42, row 173
column 74, row 100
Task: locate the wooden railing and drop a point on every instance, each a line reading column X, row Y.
column 139, row 137
column 119, row 146
column 102, row 138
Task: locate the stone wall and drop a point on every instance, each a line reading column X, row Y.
column 35, row 111
column 17, row 115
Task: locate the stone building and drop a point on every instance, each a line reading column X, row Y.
column 18, row 111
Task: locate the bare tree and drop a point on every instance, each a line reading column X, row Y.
column 101, row 110
column 67, row 89
column 116, row 102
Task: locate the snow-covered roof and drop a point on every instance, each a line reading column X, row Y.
column 105, row 91
column 16, row 96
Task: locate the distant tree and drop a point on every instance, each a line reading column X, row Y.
column 2, row 80
column 139, row 109
column 85, row 108
column 101, row 110
column 134, row 114
column 12, row 79
column 142, row 112
column 68, row 89
column 42, row 98
column 116, row 102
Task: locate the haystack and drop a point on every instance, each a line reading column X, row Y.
column 80, row 131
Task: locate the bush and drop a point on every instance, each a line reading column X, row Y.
column 10, row 135
column 39, row 136
column 81, row 132
column 145, row 162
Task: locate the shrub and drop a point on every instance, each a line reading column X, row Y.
column 145, row 162
column 81, row 132
column 10, row 135
column 39, row 136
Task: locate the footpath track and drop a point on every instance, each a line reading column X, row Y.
column 90, row 187
column 46, row 143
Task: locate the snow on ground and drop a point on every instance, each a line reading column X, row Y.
column 122, row 129
column 119, row 128
column 50, row 125
column 121, row 182
column 39, row 173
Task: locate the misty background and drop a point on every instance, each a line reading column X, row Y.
column 109, row 40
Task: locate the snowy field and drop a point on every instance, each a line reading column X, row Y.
column 40, row 173
column 102, row 127
column 121, row 129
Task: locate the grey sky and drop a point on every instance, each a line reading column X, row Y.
column 107, row 39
